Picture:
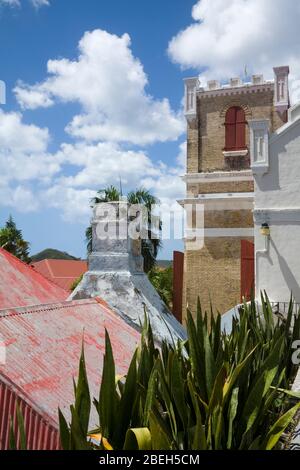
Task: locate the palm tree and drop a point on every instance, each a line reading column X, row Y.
column 150, row 246
column 11, row 239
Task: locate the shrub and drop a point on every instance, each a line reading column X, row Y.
column 214, row 391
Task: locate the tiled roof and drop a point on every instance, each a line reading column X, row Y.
column 61, row 272
column 21, row 285
column 43, row 345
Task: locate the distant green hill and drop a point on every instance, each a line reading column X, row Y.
column 163, row 264
column 49, row 253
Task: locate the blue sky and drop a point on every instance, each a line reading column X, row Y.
column 94, row 93
column 29, row 37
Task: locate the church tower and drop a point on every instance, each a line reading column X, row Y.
column 219, row 179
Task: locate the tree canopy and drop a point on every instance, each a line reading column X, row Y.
column 11, row 240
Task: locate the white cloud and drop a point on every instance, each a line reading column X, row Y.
column 40, row 3
column 168, row 185
column 11, row 3
column 32, row 97
column 23, row 159
column 227, row 35
column 95, row 166
column 73, row 204
column 110, row 85
column 104, row 163
column 17, row 3
column 19, row 197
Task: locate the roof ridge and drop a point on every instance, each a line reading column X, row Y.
column 27, row 310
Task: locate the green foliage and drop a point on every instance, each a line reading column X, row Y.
column 150, row 246
column 162, row 280
column 11, row 239
column 17, row 435
column 212, row 392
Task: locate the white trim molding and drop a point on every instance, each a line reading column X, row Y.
column 222, row 196
column 219, row 177
column 259, row 145
column 235, row 153
column 243, row 89
column 221, row 202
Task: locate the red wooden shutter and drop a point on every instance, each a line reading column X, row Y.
column 178, row 269
column 240, row 129
column 247, row 269
column 230, row 129
column 235, row 123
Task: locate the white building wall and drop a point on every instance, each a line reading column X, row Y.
column 277, row 203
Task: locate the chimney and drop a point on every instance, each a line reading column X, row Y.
column 281, row 93
column 116, row 272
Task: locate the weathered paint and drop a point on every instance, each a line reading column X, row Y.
column 40, row 433
column 44, row 346
column 62, row 272
column 21, row 285
column 116, row 275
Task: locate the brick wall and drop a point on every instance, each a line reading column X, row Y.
column 216, row 269
column 214, row 272
column 206, row 139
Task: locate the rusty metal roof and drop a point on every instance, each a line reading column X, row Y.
column 43, row 345
column 61, row 272
column 21, row 285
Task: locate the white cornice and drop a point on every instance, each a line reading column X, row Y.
column 239, row 90
column 214, row 196
column 221, row 202
column 219, row 177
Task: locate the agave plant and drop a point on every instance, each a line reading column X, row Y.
column 214, row 391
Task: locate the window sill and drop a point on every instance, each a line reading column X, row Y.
column 235, row 153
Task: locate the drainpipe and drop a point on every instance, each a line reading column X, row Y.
column 266, row 233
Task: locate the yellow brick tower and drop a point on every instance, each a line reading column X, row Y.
column 220, row 180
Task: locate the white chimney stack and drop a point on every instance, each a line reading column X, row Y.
column 116, row 272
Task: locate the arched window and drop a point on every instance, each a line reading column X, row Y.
column 235, row 124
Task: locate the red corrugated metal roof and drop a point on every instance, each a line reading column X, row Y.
column 61, row 272
column 21, row 285
column 43, row 345
column 40, row 433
